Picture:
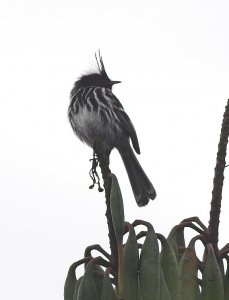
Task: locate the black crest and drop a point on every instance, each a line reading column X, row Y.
column 96, row 79
column 100, row 64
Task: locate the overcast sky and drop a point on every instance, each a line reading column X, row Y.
column 172, row 58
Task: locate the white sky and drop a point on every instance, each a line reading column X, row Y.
column 172, row 58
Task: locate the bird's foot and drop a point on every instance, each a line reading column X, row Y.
column 94, row 174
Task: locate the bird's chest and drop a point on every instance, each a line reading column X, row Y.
column 85, row 119
column 87, row 124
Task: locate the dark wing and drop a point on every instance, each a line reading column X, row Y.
column 124, row 120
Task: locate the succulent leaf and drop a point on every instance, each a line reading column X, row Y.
column 87, row 288
column 117, row 210
column 70, row 282
column 212, row 277
column 169, row 266
column 150, row 267
column 108, row 291
column 164, row 291
column 131, row 261
column 77, row 288
column 188, row 284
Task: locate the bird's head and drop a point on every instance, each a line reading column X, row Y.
column 97, row 79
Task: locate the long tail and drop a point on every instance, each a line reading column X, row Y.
column 142, row 187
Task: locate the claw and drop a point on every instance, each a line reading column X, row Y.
column 93, row 173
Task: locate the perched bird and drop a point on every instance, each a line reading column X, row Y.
column 96, row 113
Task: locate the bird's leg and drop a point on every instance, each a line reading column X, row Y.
column 93, row 172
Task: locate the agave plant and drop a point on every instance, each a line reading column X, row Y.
column 138, row 270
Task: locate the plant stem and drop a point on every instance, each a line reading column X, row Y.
column 103, row 157
column 213, row 227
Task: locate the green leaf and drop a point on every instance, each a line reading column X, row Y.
column 117, row 210
column 150, row 267
column 108, row 292
column 188, row 271
column 131, row 266
column 98, row 275
column 213, row 288
column 169, row 267
column 226, row 283
column 87, row 288
column 172, row 239
column 77, row 288
column 164, row 291
column 70, row 282
column 180, row 237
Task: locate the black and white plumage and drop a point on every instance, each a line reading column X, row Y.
column 95, row 113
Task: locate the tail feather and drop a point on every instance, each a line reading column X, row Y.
column 142, row 187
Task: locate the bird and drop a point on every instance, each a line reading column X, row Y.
column 96, row 113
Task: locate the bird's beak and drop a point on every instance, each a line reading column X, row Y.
column 115, row 82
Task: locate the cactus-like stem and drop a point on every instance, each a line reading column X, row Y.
column 103, row 157
column 213, row 227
